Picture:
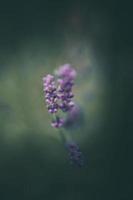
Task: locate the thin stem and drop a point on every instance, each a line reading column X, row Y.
column 63, row 138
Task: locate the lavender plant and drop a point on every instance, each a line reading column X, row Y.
column 59, row 97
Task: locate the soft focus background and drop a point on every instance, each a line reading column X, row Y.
column 36, row 38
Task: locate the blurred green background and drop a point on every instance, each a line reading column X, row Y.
column 36, row 38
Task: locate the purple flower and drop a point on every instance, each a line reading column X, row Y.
column 75, row 155
column 66, row 70
column 66, row 78
column 50, row 93
column 59, row 95
column 58, row 122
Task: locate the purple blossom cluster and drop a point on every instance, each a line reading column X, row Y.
column 59, row 95
column 75, row 154
column 66, row 78
column 50, row 93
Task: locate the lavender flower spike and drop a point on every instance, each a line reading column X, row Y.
column 75, row 154
column 50, row 93
column 66, row 78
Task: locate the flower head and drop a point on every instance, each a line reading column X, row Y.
column 50, row 93
column 66, row 75
column 66, row 70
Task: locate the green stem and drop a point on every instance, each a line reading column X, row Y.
column 62, row 136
